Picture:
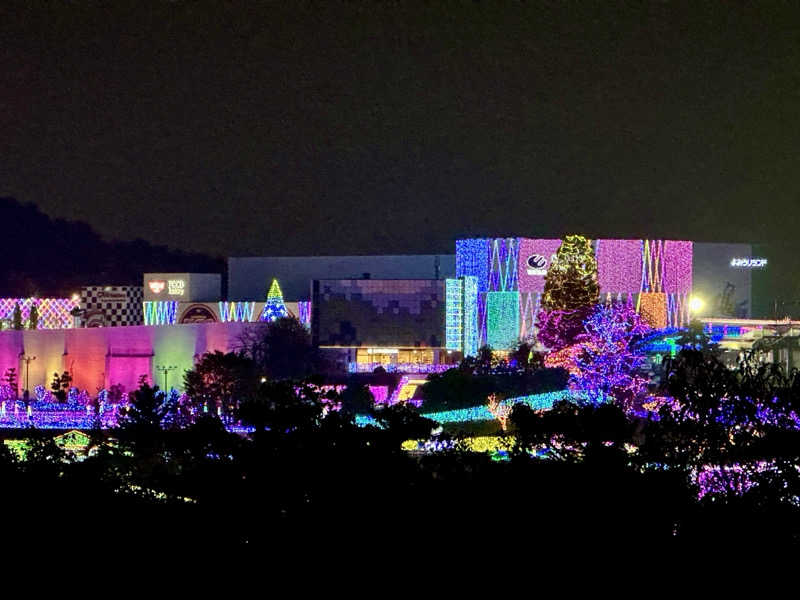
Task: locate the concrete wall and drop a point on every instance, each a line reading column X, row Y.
column 103, row 356
column 249, row 277
column 189, row 287
column 712, row 270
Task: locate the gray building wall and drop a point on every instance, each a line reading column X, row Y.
column 249, row 277
column 196, row 287
column 712, row 272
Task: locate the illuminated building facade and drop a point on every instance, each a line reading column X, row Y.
column 100, row 357
column 506, row 279
column 185, row 298
column 367, row 323
column 54, row 313
column 111, row 306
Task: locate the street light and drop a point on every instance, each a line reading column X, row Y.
column 165, row 369
column 696, row 304
column 27, row 360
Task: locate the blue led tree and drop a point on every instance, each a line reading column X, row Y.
column 274, row 309
column 607, row 365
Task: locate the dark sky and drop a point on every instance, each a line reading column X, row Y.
column 253, row 127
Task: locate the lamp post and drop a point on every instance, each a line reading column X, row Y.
column 165, row 369
column 27, row 360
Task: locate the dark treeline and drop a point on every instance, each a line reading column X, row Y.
column 54, row 257
column 309, row 478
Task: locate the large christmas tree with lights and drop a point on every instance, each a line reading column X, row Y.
column 274, row 309
column 570, row 292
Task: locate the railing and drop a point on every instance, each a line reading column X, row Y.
column 355, row 367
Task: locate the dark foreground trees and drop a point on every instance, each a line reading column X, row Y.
column 282, row 349
column 587, row 476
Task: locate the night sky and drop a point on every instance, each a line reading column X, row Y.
column 238, row 128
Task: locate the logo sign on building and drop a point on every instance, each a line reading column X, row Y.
column 157, row 285
column 749, row 263
column 198, row 313
column 535, row 257
column 537, row 265
column 176, row 287
column 112, row 296
column 94, row 318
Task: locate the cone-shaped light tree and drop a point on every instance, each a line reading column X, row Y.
column 274, row 309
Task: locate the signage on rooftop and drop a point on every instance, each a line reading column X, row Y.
column 748, row 263
column 176, row 287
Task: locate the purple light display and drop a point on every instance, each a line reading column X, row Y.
column 533, row 261
column 380, row 393
column 677, row 267
column 619, row 266
column 607, row 366
column 304, row 316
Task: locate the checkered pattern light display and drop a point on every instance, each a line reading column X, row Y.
column 54, row 313
column 111, row 306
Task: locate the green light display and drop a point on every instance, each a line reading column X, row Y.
column 502, row 319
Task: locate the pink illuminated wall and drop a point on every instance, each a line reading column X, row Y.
column 677, row 267
column 619, row 266
column 103, row 356
column 527, row 281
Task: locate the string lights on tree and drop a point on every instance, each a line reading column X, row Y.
column 570, row 291
column 275, row 308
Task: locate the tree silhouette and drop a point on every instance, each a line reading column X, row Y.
column 33, row 317
column 282, row 407
column 221, row 380
column 16, row 319
column 282, row 349
column 10, row 377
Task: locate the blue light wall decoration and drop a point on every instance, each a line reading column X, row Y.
column 470, row 310
column 454, row 314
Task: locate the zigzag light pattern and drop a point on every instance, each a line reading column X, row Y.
column 304, row 308
column 160, row 312
column 529, row 311
column 239, row 312
column 653, row 266
column 503, row 268
column 677, row 310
